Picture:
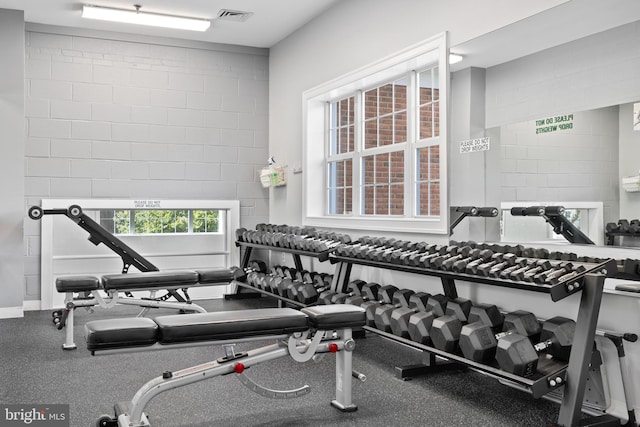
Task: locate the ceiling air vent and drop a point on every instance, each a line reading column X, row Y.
column 234, row 15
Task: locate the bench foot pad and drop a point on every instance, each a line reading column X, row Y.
column 341, row 407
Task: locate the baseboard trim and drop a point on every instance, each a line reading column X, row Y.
column 11, row 312
column 32, row 305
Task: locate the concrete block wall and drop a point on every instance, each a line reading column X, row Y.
column 108, row 117
column 591, row 72
column 577, row 164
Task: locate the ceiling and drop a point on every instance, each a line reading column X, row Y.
column 561, row 24
column 272, row 20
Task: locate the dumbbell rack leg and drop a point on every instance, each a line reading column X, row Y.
column 241, row 292
column 341, row 277
column 430, row 366
column 581, row 350
column 431, row 363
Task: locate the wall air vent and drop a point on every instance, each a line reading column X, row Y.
column 234, row 15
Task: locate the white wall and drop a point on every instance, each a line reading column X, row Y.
column 629, row 158
column 599, row 71
column 347, row 37
column 593, row 72
column 109, row 116
column 11, row 162
column 577, row 164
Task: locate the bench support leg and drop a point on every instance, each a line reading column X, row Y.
column 136, row 417
column 69, row 344
column 344, row 370
column 133, row 413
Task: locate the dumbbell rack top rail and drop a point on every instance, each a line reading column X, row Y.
column 557, row 291
column 544, row 380
column 322, row 256
column 270, row 294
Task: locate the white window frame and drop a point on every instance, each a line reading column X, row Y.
column 432, row 52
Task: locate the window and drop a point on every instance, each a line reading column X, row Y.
column 377, row 137
column 165, row 221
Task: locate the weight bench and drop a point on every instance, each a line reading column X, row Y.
column 118, row 286
column 299, row 334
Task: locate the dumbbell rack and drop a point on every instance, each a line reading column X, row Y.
column 551, row 374
column 297, row 261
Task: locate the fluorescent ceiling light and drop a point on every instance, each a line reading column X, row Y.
column 454, row 58
column 144, row 18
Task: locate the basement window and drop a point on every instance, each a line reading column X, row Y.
column 160, row 221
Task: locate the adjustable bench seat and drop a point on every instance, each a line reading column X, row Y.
column 298, row 334
column 119, row 286
column 77, row 284
column 145, row 281
column 149, row 280
column 230, row 325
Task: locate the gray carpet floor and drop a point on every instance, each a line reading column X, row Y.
column 35, row 370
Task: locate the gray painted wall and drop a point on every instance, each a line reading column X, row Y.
column 577, row 164
column 112, row 117
column 11, row 162
column 593, row 72
column 629, row 154
column 318, row 52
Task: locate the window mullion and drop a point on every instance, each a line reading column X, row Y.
column 356, row 166
column 410, row 176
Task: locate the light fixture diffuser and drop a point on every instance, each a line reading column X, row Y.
column 144, row 18
column 454, row 58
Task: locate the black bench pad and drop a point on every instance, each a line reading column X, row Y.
column 223, row 325
column 215, row 275
column 119, row 333
column 229, row 325
column 335, row 316
column 149, row 280
column 77, row 283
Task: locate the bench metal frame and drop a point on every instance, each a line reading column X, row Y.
column 110, row 300
column 299, row 346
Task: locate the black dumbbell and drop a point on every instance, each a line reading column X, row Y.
column 383, row 311
column 477, row 256
column 312, row 292
column 364, row 252
column 611, row 227
column 364, row 243
column 479, row 339
column 353, row 288
column 418, row 303
column 369, row 292
column 240, row 274
column 413, row 259
column 516, row 353
column 504, row 268
column 384, row 254
column 551, row 275
column 425, row 260
column 445, row 330
column 623, row 225
column 445, row 262
column 385, row 296
column 420, row 323
column 408, row 257
column 474, row 267
column 532, row 268
column 294, row 291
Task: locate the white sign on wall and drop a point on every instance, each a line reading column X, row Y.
column 473, row 145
